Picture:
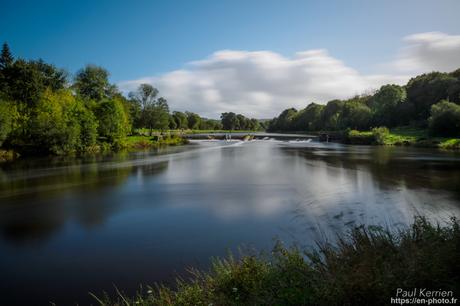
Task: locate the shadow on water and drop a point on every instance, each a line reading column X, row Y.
column 36, row 202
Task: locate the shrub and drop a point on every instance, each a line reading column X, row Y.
column 445, row 119
column 380, row 134
column 7, row 118
column 359, row 138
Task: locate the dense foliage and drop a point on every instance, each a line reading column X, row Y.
column 428, row 100
column 232, row 121
column 364, row 268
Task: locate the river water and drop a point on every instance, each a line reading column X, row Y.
column 72, row 226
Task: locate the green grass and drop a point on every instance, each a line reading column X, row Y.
column 402, row 136
column 365, row 267
column 146, row 142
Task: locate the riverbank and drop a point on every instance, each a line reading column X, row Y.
column 366, row 267
column 401, row 137
column 140, row 142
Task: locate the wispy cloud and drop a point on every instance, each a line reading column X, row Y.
column 429, row 51
column 262, row 83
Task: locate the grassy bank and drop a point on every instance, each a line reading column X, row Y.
column 140, row 142
column 364, row 268
column 403, row 136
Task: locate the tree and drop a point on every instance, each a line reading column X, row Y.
column 355, row 115
column 156, row 115
column 331, row 115
column 180, row 119
column 87, row 123
column 285, row 121
column 229, row 121
column 51, row 77
column 54, row 129
column 25, row 81
column 445, row 119
column 308, row 119
column 92, row 82
column 385, row 104
column 7, row 119
column 426, row 90
column 113, row 124
column 193, row 120
column 6, row 58
column 145, row 95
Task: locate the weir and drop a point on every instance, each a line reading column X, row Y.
column 243, row 136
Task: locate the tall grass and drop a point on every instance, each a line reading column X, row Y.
column 365, row 267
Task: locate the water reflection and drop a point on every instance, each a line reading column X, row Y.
column 140, row 217
column 36, row 202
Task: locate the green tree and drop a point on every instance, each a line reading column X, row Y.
column 445, row 119
column 355, row 115
column 180, row 119
column 8, row 115
column 193, row 120
column 87, row 123
column 308, row 119
column 54, row 129
column 113, row 124
column 285, row 121
column 145, row 95
column 426, row 90
column 6, row 57
column 156, row 115
column 229, row 121
column 92, row 82
column 385, row 105
column 331, row 115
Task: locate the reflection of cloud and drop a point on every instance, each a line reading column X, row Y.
column 262, row 83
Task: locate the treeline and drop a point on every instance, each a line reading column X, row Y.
column 427, row 101
column 43, row 110
column 232, row 121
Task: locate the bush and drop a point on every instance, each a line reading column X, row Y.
column 359, row 138
column 380, row 134
column 445, row 119
column 7, row 117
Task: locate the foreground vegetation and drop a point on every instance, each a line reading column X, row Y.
column 363, row 268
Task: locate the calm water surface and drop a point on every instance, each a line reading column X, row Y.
column 70, row 226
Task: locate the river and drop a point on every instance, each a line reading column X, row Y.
column 70, row 226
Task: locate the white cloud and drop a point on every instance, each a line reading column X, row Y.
column 431, row 51
column 262, row 83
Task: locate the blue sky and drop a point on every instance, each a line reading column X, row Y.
column 138, row 39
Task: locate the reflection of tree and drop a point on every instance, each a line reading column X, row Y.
column 392, row 167
column 37, row 201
